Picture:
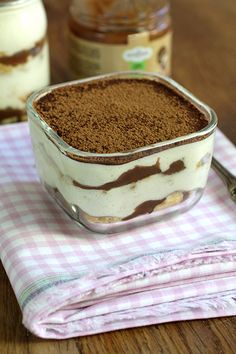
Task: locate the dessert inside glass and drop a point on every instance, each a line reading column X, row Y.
column 121, row 150
column 24, row 57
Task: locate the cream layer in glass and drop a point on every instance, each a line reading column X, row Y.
column 24, row 60
column 169, row 176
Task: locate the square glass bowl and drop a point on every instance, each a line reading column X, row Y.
column 109, row 193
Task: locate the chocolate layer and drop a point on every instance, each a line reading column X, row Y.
column 144, row 208
column 134, row 175
column 175, row 166
column 22, row 56
column 16, row 115
column 150, row 205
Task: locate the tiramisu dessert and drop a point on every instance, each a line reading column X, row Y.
column 121, row 150
column 24, row 62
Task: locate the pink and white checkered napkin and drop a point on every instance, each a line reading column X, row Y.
column 70, row 282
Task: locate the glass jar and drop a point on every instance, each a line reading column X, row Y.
column 24, row 60
column 111, row 35
column 113, row 192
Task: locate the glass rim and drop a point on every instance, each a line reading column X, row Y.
column 68, row 149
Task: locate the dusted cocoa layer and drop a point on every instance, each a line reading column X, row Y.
column 22, row 56
column 123, row 159
column 118, row 115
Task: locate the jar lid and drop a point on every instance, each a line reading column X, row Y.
column 13, row 3
column 116, row 12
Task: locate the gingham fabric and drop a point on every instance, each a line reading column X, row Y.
column 70, row 282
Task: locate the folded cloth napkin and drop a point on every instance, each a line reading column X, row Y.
column 71, row 282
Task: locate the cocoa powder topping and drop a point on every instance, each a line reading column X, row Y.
column 116, row 115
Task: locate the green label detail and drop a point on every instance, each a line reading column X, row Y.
column 138, row 65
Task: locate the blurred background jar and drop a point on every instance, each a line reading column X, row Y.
column 24, row 60
column 117, row 35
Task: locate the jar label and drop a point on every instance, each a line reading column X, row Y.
column 137, row 54
column 88, row 58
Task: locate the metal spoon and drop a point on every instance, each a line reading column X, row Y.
column 228, row 178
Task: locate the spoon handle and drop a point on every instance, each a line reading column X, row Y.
column 222, row 172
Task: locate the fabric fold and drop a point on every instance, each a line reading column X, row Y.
column 70, row 282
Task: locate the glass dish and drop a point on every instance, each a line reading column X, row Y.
column 109, row 193
column 24, row 57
